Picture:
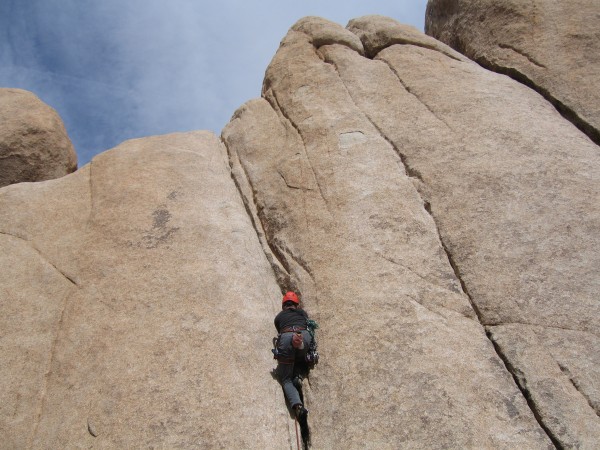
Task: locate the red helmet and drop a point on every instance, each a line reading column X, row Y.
column 290, row 297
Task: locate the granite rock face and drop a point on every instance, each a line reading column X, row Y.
column 379, row 178
column 34, row 145
column 440, row 221
column 137, row 303
column 513, row 188
column 552, row 46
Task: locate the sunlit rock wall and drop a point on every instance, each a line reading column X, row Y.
column 440, row 221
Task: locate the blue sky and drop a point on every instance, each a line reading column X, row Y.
column 121, row 69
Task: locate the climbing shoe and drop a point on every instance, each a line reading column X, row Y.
column 301, row 412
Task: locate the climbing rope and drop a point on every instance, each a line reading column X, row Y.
column 297, row 437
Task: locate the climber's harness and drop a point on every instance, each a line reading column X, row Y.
column 293, row 329
column 312, row 355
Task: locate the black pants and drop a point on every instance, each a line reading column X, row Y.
column 291, row 363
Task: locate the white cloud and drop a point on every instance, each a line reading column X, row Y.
column 116, row 70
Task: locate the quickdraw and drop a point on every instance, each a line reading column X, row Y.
column 312, row 356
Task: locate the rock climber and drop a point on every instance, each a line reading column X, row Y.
column 292, row 346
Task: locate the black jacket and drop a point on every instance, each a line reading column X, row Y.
column 290, row 318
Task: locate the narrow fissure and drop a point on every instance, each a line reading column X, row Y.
column 67, row 277
column 527, row 56
column 407, row 168
column 281, row 270
column 373, row 54
column 525, row 392
column 411, row 172
column 53, row 348
column 575, row 384
column 280, row 253
column 458, row 275
column 565, row 111
column 407, row 88
column 305, row 429
column 278, row 108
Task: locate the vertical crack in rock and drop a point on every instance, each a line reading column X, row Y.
column 282, row 251
column 422, row 277
column 457, row 273
column 567, row 112
column 278, row 264
column 299, row 261
column 407, row 169
column 281, row 269
column 509, row 368
column 521, row 383
column 411, row 172
column 278, row 108
column 575, row 384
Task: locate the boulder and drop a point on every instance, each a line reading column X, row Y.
column 137, row 306
column 553, row 47
column 34, row 145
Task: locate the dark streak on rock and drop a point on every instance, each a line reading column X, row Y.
column 153, row 239
column 173, row 195
column 161, row 217
column 159, row 233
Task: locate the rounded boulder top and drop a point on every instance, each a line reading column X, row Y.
column 34, row 145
